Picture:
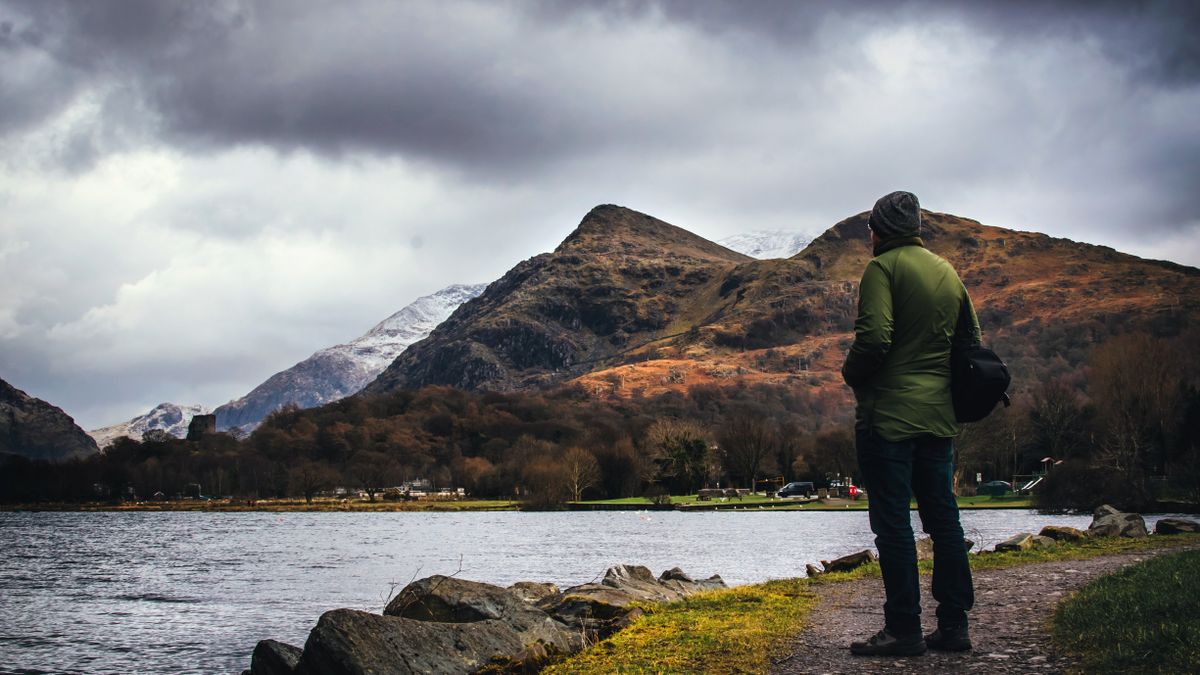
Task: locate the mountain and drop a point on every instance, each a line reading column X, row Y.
column 618, row 277
column 33, row 428
column 168, row 417
column 766, row 244
column 630, row 305
column 341, row 370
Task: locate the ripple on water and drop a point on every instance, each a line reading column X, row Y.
column 155, row 597
column 193, row 593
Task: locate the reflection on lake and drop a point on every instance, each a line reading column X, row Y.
column 193, row 592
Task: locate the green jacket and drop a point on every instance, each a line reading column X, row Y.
column 911, row 307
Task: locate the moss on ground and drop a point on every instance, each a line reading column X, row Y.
column 735, row 630
column 1144, row 618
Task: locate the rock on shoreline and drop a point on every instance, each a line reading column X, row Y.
column 442, row 624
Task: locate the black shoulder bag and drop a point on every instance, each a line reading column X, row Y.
column 978, row 380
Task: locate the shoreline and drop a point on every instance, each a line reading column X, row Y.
column 460, row 507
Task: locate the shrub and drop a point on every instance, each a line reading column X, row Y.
column 1074, row 486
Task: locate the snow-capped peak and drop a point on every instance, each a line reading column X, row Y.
column 766, row 244
column 171, row 418
column 339, row 371
column 378, row 347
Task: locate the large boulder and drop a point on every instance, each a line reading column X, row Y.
column 506, row 628
column 602, row 608
column 1109, row 522
column 443, row 624
column 1063, row 533
column 272, row 657
column 350, row 642
column 1176, row 526
column 534, row 592
column 925, row 547
column 1018, row 542
column 452, row 600
column 1040, row 541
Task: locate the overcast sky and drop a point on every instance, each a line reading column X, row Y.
column 195, row 195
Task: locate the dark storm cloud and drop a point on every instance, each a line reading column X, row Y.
column 1156, row 39
column 374, row 77
column 462, row 86
column 194, row 183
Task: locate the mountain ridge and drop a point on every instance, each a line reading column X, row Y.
column 341, row 370
column 35, row 429
column 690, row 313
column 615, row 275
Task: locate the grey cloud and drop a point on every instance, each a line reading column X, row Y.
column 461, row 137
column 466, row 84
column 1154, row 38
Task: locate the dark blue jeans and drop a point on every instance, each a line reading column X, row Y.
column 894, row 472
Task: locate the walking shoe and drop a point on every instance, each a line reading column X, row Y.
column 884, row 643
column 949, row 639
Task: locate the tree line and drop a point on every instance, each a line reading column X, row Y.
column 541, row 447
column 1119, row 422
column 1121, row 427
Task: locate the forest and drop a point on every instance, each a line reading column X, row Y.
column 1118, row 428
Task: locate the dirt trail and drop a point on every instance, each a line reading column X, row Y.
column 1008, row 625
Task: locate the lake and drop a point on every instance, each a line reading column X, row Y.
column 193, row 592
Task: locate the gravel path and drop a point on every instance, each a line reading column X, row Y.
column 1008, row 624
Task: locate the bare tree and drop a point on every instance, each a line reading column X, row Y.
column 1056, row 419
column 833, row 452
column 373, row 471
column 748, row 443
column 546, row 482
column 582, row 471
column 995, row 446
column 309, row 478
column 680, row 449
column 1137, row 385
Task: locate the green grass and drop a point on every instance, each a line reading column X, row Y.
column 739, row 630
column 987, row 502
column 1145, row 619
column 691, row 501
column 735, row 630
column 682, row 499
column 279, row 505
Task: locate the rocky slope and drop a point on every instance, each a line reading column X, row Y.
column 341, row 370
column 33, row 428
column 168, row 417
column 630, row 305
column 619, row 277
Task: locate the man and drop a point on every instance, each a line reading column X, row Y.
column 912, row 307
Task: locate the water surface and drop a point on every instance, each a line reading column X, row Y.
column 193, row 592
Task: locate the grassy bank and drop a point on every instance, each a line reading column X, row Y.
column 682, row 502
column 690, row 502
column 1145, row 618
column 276, row 505
column 739, row 630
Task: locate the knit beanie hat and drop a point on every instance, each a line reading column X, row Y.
column 896, row 215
